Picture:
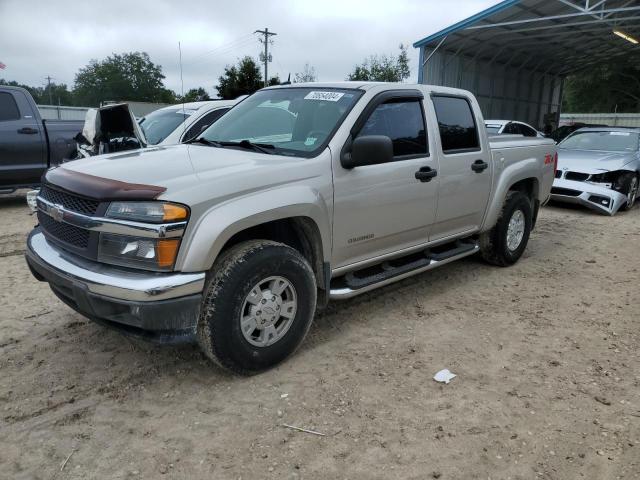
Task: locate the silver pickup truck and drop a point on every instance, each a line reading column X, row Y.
column 300, row 194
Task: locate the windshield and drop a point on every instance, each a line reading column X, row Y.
column 603, row 141
column 296, row 121
column 493, row 129
column 159, row 124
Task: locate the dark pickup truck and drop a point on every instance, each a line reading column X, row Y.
column 28, row 144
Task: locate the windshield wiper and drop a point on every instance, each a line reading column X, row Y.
column 258, row 147
column 204, row 141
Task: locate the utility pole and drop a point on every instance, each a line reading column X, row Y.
column 48, row 77
column 265, row 57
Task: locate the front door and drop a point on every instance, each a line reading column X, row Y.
column 380, row 209
column 22, row 143
column 465, row 168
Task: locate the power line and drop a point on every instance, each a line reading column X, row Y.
column 265, row 57
column 224, row 46
column 225, row 51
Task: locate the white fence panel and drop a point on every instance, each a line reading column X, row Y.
column 54, row 112
column 611, row 119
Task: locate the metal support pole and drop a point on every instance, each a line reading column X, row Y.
column 266, row 41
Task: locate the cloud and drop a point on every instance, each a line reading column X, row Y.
column 58, row 37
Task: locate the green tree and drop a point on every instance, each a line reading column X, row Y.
column 60, row 95
column 383, row 68
column 307, row 75
column 606, row 88
column 241, row 79
column 128, row 76
column 195, row 95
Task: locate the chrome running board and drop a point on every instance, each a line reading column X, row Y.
column 395, row 274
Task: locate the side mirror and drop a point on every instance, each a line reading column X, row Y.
column 368, row 150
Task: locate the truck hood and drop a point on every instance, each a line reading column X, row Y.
column 180, row 169
column 592, row 162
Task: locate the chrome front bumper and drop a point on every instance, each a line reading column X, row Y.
column 591, row 195
column 159, row 306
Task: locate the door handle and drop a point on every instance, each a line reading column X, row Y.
column 479, row 166
column 426, row 174
column 28, row 130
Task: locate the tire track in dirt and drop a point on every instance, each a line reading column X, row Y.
column 12, row 244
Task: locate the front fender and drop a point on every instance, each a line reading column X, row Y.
column 205, row 239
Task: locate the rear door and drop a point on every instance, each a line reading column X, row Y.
column 23, row 154
column 465, row 167
column 384, row 208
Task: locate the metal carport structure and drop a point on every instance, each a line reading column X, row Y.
column 516, row 55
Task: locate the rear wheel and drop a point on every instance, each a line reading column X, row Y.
column 505, row 243
column 258, row 306
column 629, row 185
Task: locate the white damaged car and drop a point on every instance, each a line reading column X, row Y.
column 599, row 168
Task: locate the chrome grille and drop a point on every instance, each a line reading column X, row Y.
column 63, row 232
column 70, row 202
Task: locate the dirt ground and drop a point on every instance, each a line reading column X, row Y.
column 546, row 352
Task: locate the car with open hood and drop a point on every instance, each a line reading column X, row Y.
column 113, row 128
column 599, row 168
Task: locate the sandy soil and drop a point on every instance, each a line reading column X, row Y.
column 546, row 354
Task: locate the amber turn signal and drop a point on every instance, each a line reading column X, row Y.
column 166, row 251
column 174, row 213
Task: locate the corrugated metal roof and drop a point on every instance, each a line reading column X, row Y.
column 556, row 36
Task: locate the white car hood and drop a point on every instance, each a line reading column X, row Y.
column 592, row 162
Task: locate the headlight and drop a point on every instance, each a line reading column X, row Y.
column 135, row 252
column 148, row 212
column 146, row 253
column 31, row 200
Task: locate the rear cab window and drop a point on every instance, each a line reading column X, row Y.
column 456, row 123
column 8, row 108
column 402, row 120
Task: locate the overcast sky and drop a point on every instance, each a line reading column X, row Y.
column 47, row 37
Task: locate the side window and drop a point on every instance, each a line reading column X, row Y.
column 512, row 129
column 528, row 131
column 401, row 121
column 458, row 131
column 8, row 108
column 202, row 124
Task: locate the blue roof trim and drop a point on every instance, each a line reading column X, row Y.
column 467, row 22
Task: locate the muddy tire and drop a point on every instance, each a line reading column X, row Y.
column 629, row 184
column 505, row 243
column 258, row 306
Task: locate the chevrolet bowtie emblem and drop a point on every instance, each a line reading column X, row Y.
column 57, row 212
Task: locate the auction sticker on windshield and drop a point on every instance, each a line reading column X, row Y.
column 327, row 96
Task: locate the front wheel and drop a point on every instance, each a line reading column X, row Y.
column 258, row 306
column 629, row 185
column 505, row 243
